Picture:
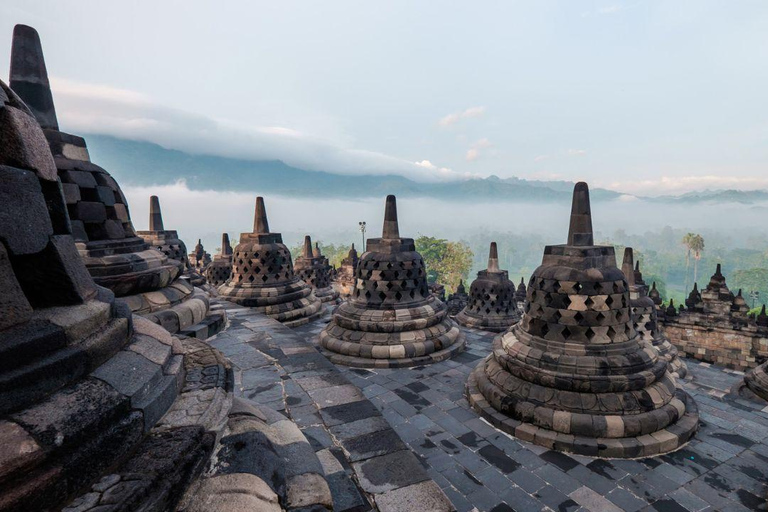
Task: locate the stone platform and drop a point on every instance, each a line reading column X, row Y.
column 482, row 468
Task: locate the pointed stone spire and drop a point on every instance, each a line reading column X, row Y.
column 637, row 266
column 307, row 252
column 461, row 288
column 391, row 228
column 718, row 270
column 493, row 258
column 316, row 251
column 29, row 77
column 260, row 223
column 226, row 247
column 580, row 229
column 627, row 266
column 155, row 215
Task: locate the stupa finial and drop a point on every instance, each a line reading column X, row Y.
column 391, row 228
column 226, row 247
column 493, row 258
column 627, row 266
column 580, row 229
column 307, row 252
column 260, row 223
column 29, row 77
column 155, row 215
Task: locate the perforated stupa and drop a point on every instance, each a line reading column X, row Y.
column 573, row 375
column 392, row 319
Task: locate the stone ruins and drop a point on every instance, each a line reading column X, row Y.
column 645, row 317
column 574, row 375
column 263, row 278
column 137, row 377
column 219, row 270
column 104, row 410
column 344, row 283
column 144, row 278
column 313, row 269
column 491, row 305
column 714, row 327
column 392, row 319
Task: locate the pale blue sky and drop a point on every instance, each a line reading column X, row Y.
column 645, row 97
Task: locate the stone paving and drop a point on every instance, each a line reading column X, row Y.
column 480, row 467
column 365, row 462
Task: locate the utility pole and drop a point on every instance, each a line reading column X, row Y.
column 362, row 233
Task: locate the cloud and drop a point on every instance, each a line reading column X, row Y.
column 92, row 108
column 603, row 11
column 474, row 151
column 577, row 152
column 682, row 184
column 465, row 114
column 541, row 158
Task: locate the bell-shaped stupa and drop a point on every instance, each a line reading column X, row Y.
column 114, row 255
column 492, row 305
column 263, row 278
column 345, row 275
column 646, row 321
column 520, row 294
column 573, row 375
column 219, row 270
column 457, row 301
column 392, row 319
column 313, row 269
column 199, row 259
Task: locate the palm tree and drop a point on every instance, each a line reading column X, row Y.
column 697, row 245
column 687, row 242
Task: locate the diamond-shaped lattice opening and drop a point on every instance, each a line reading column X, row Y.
column 600, row 317
column 566, row 302
column 250, row 278
column 544, row 329
column 578, row 316
column 577, row 287
column 368, row 294
column 608, row 300
column 589, row 302
column 389, row 285
column 590, row 333
column 264, row 278
column 566, row 333
column 398, row 295
column 382, row 295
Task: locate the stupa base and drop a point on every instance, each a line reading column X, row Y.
column 675, row 365
column 754, row 386
column 488, row 323
column 328, row 295
column 663, row 441
column 349, row 354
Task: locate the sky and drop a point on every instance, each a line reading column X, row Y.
column 651, row 97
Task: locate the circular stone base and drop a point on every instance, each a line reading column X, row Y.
column 488, row 323
column 406, row 362
column 298, row 322
column 754, row 386
column 660, row 442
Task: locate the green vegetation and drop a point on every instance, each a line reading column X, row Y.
column 447, row 262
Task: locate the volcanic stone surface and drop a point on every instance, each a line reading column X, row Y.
column 263, row 277
column 392, row 319
column 313, row 269
column 457, row 301
column 573, row 375
column 492, row 305
column 645, row 316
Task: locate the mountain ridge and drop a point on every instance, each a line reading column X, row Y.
column 142, row 163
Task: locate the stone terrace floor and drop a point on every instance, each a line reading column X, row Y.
column 724, row 468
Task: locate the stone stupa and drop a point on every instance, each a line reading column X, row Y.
column 573, row 375
column 392, row 319
column 145, row 278
column 645, row 316
column 220, row 268
column 492, row 305
column 520, row 295
column 104, row 410
column 263, row 277
column 313, row 269
column 344, row 283
column 457, row 301
column 199, row 259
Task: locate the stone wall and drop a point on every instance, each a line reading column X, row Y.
column 724, row 345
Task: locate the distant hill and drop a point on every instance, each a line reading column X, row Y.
column 145, row 163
